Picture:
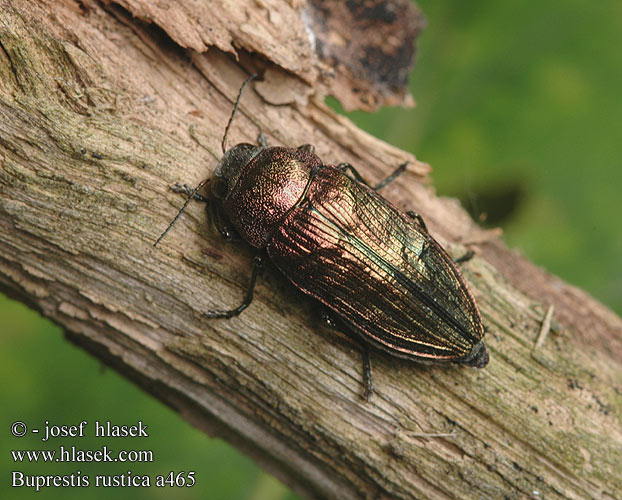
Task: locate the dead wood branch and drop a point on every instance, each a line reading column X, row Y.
column 101, row 112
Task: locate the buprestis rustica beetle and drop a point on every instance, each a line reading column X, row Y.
column 377, row 270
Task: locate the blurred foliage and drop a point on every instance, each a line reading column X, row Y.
column 518, row 112
column 520, row 116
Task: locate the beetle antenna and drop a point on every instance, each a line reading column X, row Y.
column 181, row 210
column 202, row 183
column 235, row 108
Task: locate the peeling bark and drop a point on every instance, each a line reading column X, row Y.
column 101, row 113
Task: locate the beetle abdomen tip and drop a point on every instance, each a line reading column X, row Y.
column 478, row 357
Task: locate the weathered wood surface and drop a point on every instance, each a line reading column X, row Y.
column 101, row 112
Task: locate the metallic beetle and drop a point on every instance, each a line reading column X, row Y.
column 376, row 268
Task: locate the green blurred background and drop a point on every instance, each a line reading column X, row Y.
column 518, row 112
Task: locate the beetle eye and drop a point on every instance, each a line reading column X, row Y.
column 218, row 187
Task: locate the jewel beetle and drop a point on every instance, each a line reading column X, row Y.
column 381, row 276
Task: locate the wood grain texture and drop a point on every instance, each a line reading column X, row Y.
column 359, row 52
column 101, row 113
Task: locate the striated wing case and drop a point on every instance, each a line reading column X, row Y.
column 379, row 270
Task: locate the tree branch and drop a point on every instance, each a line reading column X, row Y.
column 101, row 113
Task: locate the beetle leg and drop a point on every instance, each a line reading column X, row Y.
column 257, row 268
column 357, row 177
column 466, row 257
column 414, row 215
column 369, row 388
column 396, row 173
column 331, row 321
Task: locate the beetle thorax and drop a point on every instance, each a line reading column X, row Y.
column 267, row 188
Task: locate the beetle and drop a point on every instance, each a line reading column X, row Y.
column 377, row 270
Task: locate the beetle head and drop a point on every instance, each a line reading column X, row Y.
column 230, row 167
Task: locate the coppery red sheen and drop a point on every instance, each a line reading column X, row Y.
column 336, row 239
